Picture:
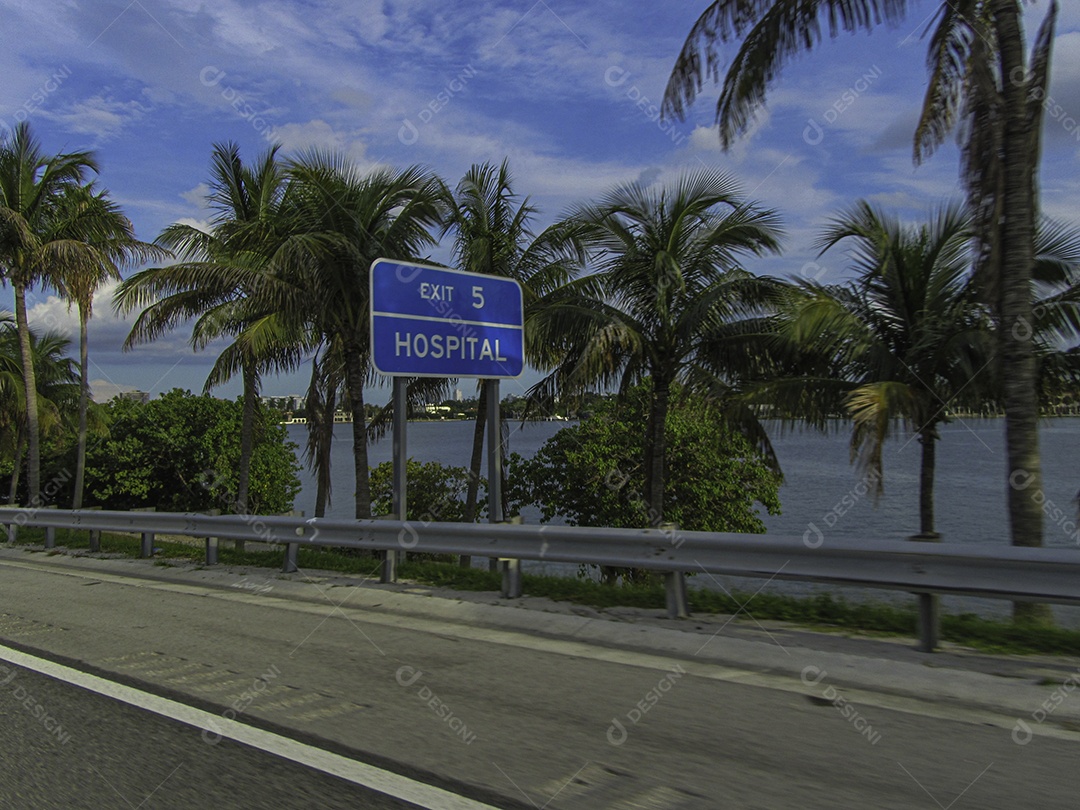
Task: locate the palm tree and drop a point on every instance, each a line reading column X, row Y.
column 102, row 242
column 980, row 84
column 31, row 183
column 324, row 392
column 1056, row 311
column 225, row 280
column 57, row 392
column 492, row 235
column 12, row 398
column 666, row 296
column 345, row 220
column 909, row 335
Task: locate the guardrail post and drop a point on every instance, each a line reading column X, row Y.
column 678, row 606
column 50, row 531
column 95, row 534
column 290, row 565
column 12, row 531
column 388, row 558
column 510, row 567
column 511, row 578
column 212, row 542
column 146, row 546
column 929, row 622
column 388, row 567
column 929, row 606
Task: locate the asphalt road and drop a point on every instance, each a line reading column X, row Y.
column 107, row 754
column 512, row 718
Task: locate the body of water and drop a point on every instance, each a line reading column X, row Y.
column 822, row 490
column 821, row 486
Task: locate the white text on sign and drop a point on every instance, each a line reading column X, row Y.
column 436, row 292
column 437, row 347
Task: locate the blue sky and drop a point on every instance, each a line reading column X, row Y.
column 566, row 91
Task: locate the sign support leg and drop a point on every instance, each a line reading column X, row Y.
column 494, row 459
column 401, row 455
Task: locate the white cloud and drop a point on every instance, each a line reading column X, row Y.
column 106, row 330
column 199, row 224
column 197, row 195
column 103, row 118
column 318, row 134
column 705, row 139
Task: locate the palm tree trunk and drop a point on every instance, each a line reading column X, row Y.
column 928, row 439
column 1019, row 369
column 322, row 463
column 656, row 451
column 16, row 472
column 33, row 459
column 84, row 404
column 355, row 373
column 247, row 435
column 472, row 493
column 247, row 440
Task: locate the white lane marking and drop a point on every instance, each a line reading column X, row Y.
column 359, row 773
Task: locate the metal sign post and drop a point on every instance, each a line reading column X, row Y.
column 434, row 322
column 494, row 459
column 401, row 455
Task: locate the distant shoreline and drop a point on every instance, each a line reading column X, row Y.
column 567, row 421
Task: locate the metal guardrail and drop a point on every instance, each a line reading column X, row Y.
column 1005, row 572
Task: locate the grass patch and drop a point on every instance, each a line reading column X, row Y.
column 1006, row 637
column 818, row 612
column 822, row 611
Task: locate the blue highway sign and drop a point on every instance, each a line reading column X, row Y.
column 432, row 322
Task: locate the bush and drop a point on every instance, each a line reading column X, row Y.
column 181, row 453
column 591, row 474
column 434, row 491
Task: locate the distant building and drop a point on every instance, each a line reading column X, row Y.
column 458, row 397
column 288, row 402
column 135, row 396
column 103, row 391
